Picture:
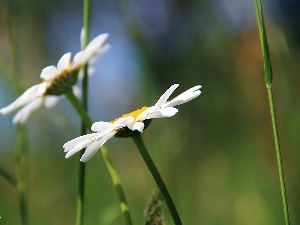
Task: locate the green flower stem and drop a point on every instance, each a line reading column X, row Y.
column 278, row 155
column 8, row 177
column 137, row 139
column 107, row 159
column 86, row 21
column 81, row 174
column 269, row 79
column 79, row 109
column 80, row 195
column 86, row 37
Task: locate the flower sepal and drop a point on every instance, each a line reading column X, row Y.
column 62, row 83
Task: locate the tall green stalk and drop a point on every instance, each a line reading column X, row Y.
column 81, row 174
column 137, row 139
column 107, row 159
column 21, row 153
column 268, row 79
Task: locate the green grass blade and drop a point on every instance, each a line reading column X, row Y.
column 264, row 42
column 269, row 78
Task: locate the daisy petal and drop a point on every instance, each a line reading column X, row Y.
column 145, row 113
column 85, row 143
column 77, row 91
column 122, row 122
column 93, row 148
column 79, row 147
column 42, row 89
column 23, row 114
column 184, row 97
column 98, row 41
column 64, row 62
column 48, row 73
column 108, row 127
column 139, row 126
column 99, row 52
column 51, row 101
column 71, row 144
column 87, row 54
column 162, row 100
column 28, row 96
column 94, row 49
column 78, row 59
column 102, row 126
column 161, row 113
column 82, row 34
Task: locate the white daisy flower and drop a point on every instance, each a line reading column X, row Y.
column 34, row 97
column 128, row 124
column 56, row 81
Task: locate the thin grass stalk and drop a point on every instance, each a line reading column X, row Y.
column 21, row 153
column 137, row 139
column 269, row 79
column 107, row 159
column 279, row 159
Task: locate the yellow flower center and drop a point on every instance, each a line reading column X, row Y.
column 125, row 131
column 134, row 114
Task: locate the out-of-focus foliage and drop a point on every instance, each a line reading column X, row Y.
column 216, row 155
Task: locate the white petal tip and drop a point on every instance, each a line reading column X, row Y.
column 68, row 155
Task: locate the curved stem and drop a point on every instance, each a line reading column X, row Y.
column 137, row 139
column 107, row 159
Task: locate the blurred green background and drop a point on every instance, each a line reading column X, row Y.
column 216, row 155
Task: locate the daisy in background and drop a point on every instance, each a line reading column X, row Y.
column 128, row 124
column 56, row 80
